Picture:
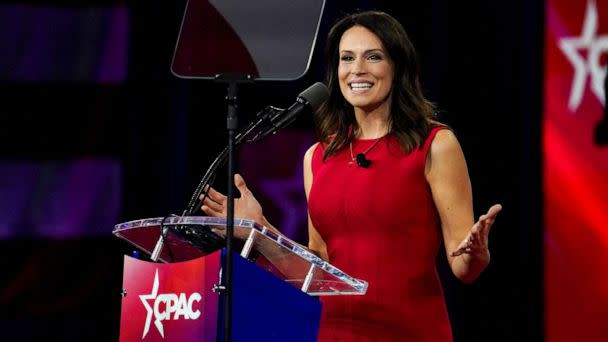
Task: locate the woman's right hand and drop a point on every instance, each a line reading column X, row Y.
column 245, row 207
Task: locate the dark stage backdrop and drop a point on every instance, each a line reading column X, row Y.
column 95, row 130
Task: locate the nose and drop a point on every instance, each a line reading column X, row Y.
column 358, row 67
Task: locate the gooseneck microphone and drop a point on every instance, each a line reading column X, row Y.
column 271, row 119
column 309, row 99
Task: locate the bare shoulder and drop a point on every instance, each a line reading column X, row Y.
column 445, row 151
column 310, row 152
column 445, row 142
column 308, row 168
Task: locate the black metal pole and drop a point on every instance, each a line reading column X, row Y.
column 231, row 126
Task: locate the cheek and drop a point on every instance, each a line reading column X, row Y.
column 342, row 76
column 386, row 75
column 342, row 73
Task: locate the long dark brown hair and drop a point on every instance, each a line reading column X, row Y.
column 411, row 113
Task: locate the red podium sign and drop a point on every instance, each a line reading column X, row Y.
column 170, row 302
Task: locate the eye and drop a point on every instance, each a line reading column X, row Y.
column 346, row 58
column 375, row 57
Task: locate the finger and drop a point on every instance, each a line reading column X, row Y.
column 488, row 222
column 485, row 229
column 210, row 211
column 476, row 227
column 457, row 252
column 239, row 182
column 482, row 224
column 215, row 195
column 481, row 242
column 205, row 197
column 213, row 205
column 460, row 251
column 494, row 210
column 477, row 237
column 462, row 246
column 205, row 193
column 481, row 233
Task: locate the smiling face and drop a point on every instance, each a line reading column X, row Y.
column 365, row 70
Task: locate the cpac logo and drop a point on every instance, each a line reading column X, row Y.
column 590, row 66
column 166, row 304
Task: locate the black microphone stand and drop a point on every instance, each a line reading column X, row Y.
column 231, row 126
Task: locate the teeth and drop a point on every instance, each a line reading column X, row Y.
column 360, row 85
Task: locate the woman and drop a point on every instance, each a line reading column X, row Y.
column 384, row 184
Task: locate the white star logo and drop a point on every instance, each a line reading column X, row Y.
column 595, row 46
column 144, row 299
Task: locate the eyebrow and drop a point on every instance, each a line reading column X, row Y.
column 366, row 51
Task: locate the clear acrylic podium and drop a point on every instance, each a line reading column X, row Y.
column 275, row 279
column 191, row 237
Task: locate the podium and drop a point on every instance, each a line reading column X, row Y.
column 275, row 282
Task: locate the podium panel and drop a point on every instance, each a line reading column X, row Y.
column 170, row 302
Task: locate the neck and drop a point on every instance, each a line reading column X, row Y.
column 373, row 124
column 371, row 129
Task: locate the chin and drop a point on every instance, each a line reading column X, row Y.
column 359, row 100
column 365, row 105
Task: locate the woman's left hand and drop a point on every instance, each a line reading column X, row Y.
column 476, row 241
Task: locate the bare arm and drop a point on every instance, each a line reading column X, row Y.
column 315, row 241
column 466, row 241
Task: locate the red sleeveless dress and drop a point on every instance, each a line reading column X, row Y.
column 380, row 225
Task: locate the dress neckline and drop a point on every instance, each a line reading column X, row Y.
column 387, row 135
